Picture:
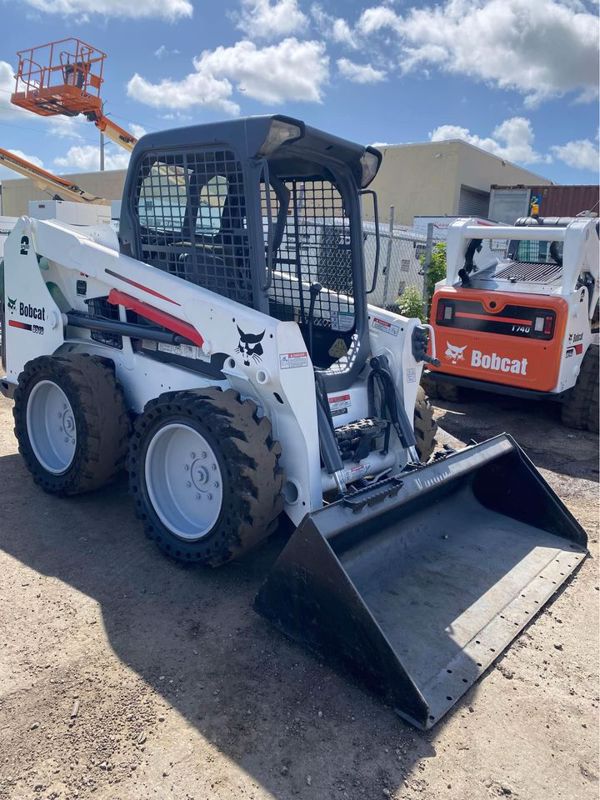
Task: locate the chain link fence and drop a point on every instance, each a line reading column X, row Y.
column 404, row 256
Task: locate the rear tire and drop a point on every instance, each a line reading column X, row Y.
column 441, row 390
column 204, row 473
column 71, row 422
column 580, row 408
column 425, row 426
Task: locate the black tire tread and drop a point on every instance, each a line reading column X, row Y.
column 580, row 408
column 101, row 417
column 425, row 426
column 252, row 460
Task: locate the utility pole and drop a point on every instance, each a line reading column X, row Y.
column 101, row 152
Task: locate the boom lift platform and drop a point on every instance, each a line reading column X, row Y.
column 230, row 321
column 66, row 77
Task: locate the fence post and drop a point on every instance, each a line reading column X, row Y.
column 388, row 258
column 427, row 261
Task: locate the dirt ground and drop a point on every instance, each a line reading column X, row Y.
column 124, row 676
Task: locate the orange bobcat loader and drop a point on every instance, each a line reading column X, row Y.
column 523, row 325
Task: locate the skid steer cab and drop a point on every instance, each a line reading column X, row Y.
column 223, row 348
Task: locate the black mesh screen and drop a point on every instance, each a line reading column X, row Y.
column 312, row 240
column 192, row 220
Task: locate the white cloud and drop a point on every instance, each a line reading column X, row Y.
column 264, row 19
column 359, row 73
column 335, row 28
column 196, row 89
column 67, row 127
column 7, row 87
column 511, row 140
column 163, row 51
column 86, row 158
column 9, row 174
column 378, row 18
column 163, row 9
column 291, row 70
column 579, row 154
column 541, row 49
column 137, row 130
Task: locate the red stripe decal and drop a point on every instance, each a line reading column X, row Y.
column 141, row 286
column 16, row 324
column 117, row 298
column 493, row 318
column 579, row 349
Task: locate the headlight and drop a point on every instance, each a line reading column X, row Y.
column 279, row 132
column 369, row 161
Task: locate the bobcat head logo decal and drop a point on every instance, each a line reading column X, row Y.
column 11, row 303
column 454, row 353
column 250, row 346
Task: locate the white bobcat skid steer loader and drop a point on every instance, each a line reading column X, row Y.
column 230, row 323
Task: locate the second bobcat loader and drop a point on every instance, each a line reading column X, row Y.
column 223, row 347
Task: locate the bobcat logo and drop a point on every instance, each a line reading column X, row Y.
column 454, row 353
column 11, row 303
column 250, row 346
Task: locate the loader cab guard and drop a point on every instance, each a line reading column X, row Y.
column 265, row 211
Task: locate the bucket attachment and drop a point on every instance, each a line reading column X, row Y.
column 417, row 584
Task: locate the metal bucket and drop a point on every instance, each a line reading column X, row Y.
column 416, row 586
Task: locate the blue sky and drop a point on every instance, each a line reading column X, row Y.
column 516, row 77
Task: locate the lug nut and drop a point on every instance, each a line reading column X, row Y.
column 209, row 496
column 187, row 468
column 216, row 484
column 204, row 454
column 188, row 484
column 193, row 455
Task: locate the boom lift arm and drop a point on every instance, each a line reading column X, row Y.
column 60, row 188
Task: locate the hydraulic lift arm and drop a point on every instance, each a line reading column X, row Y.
column 60, row 188
column 113, row 131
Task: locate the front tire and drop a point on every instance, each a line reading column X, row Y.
column 71, row 422
column 425, row 426
column 204, row 473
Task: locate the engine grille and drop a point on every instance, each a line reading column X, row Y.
column 530, row 271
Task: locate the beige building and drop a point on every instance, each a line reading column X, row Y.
column 16, row 193
column 442, row 179
column 434, row 179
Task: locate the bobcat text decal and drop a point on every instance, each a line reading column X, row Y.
column 496, row 363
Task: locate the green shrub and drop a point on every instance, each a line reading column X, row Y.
column 410, row 303
column 436, row 270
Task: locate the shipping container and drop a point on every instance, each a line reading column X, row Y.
column 508, row 203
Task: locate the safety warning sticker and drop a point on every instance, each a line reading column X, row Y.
column 293, row 360
column 385, row 326
column 340, row 404
column 342, row 320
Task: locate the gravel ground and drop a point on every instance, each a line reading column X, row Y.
column 124, row 676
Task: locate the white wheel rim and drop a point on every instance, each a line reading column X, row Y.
column 51, row 427
column 184, row 481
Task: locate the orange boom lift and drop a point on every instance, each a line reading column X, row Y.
column 65, row 77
